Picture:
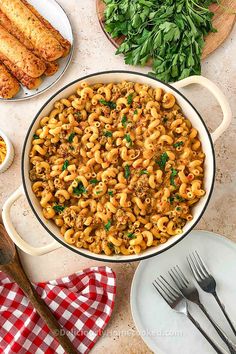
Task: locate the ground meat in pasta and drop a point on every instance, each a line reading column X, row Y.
column 117, row 167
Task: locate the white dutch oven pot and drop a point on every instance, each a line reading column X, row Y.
column 207, row 140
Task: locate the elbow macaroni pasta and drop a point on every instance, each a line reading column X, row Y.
column 3, row 150
column 117, row 167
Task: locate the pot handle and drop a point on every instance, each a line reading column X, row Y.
column 220, row 97
column 16, row 238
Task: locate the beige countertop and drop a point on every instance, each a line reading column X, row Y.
column 93, row 52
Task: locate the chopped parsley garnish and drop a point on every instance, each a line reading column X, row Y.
column 110, row 245
column 93, row 181
column 80, row 189
column 175, row 197
column 58, row 208
column 130, row 235
column 162, row 160
column 165, row 119
column 130, row 99
column 178, row 208
column 71, row 147
column 179, row 198
column 136, row 111
column 65, row 165
column 98, row 192
column 143, row 172
column 124, row 121
column 109, row 104
column 178, row 144
column 127, row 171
column 108, row 225
column 171, row 199
column 107, row 134
column 71, row 137
column 172, row 176
column 110, row 193
column 35, row 136
column 128, row 139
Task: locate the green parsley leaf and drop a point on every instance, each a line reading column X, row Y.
column 179, row 198
column 136, row 111
column 162, row 161
column 71, row 147
column 98, row 192
column 65, row 165
column 128, row 139
column 144, row 172
column 71, row 137
column 165, row 119
column 110, row 193
column 178, row 144
column 172, row 176
column 80, row 189
column 107, row 134
column 109, row 104
column 171, row 199
column 130, row 99
column 127, row 171
column 93, row 181
column 170, row 32
column 108, row 225
column 110, row 245
column 178, row 208
column 103, row 102
column 130, row 235
column 124, row 121
column 58, row 208
column 35, row 136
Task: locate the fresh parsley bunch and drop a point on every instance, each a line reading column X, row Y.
column 168, row 32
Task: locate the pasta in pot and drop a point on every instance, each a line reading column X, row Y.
column 117, row 167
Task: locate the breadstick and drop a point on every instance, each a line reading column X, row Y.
column 27, row 81
column 43, row 40
column 64, row 42
column 51, row 67
column 19, row 55
column 9, row 86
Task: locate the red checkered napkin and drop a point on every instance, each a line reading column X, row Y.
column 81, row 302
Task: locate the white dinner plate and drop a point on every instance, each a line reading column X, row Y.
column 168, row 332
column 54, row 13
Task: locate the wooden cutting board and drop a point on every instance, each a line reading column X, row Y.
column 223, row 21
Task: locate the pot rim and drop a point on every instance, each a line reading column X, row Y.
column 132, row 258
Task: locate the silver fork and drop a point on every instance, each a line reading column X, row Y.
column 176, row 301
column 190, row 292
column 207, row 282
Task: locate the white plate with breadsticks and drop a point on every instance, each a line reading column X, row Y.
column 36, row 44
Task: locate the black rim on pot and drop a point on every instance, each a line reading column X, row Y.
column 132, row 258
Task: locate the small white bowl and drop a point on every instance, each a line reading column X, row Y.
column 10, row 153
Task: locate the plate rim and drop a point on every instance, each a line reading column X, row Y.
column 141, row 264
column 69, row 58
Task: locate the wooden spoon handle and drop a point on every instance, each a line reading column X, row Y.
column 15, row 272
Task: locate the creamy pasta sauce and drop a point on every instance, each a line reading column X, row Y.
column 117, row 167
